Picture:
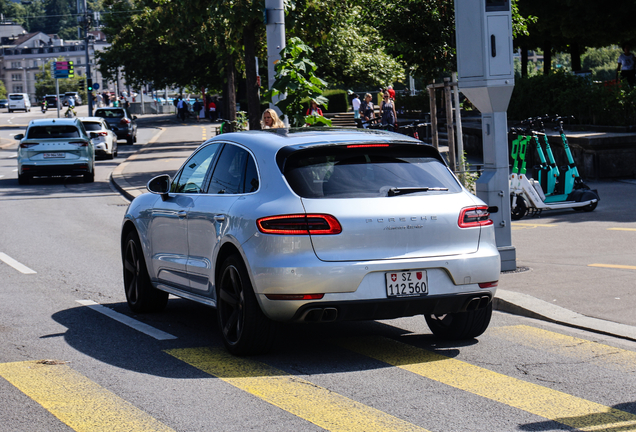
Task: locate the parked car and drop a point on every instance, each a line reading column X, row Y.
column 51, row 101
column 120, row 121
column 19, row 101
column 75, row 95
column 313, row 226
column 55, row 147
column 4, row 103
column 104, row 139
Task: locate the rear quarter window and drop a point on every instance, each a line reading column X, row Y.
column 92, row 126
column 361, row 172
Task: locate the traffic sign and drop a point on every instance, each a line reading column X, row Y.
column 63, row 69
column 96, row 86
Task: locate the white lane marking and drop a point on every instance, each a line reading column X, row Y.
column 15, row 170
column 130, row 322
column 13, row 156
column 1, row 175
column 15, row 264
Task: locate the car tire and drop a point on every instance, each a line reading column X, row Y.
column 89, row 177
column 129, row 141
column 141, row 296
column 135, row 138
column 10, row 111
column 460, row 325
column 23, row 179
column 244, row 327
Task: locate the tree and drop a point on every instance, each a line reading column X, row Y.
column 3, row 90
column 295, row 77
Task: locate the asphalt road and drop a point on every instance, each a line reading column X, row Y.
column 72, row 356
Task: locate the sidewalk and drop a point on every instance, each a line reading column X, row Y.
column 518, row 292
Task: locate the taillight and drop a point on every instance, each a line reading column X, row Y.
column 299, row 224
column 27, row 145
column 294, row 296
column 489, row 284
column 124, row 120
column 79, row 143
column 101, row 133
column 474, row 217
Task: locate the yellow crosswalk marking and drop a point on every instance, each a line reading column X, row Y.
column 535, row 399
column 293, row 394
column 621, row 229
column 568, row 346
column 530, row 225
column 615, row 266
column 75, row 400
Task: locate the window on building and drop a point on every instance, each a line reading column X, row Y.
column 16, row 77
column 15, row 65
column 17, row 88
column 35, row 63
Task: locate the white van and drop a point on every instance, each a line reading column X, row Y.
column 19, row 101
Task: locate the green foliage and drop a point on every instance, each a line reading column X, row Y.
column 3, row 90
column 569, row 95
column 602, row 62
column 337, row 101
column 296, row 80
column 317, row 120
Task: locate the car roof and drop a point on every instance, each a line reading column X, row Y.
column 93, row 119
column 55, row 121
column 275, row 139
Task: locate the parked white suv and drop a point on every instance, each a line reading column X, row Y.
column 19, row 101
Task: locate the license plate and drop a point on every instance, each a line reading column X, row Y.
column 54, row 155
column 406, row 284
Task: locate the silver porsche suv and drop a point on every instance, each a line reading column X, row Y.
column 313, row 226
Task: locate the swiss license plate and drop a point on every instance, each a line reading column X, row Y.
column 54, row 155
column 406, row 284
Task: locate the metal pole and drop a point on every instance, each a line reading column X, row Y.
column 275, row 16
column 433, row 109
column 88, row 63
column 458, row 123
column 452, row 157
column 57, row 92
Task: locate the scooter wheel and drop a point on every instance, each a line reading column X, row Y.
column 520, row 210
column 587, row 208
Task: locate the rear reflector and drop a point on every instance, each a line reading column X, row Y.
column 299, row 224
column 294, row 296
column 27, row 145
column 489, row 284
column 474, row 217
column 366, row 145
column 79, row 143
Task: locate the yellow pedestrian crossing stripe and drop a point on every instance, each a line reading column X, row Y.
column 85, row 406
column 614, row 266
column 535, row 399
column 293, row 394
column 584, row 350
column 621, row 229
column 75, row 400
column 529, row 225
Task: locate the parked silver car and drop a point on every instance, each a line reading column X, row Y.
column 313, row 226
column 55, row 147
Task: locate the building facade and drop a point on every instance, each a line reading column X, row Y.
column 23, row 55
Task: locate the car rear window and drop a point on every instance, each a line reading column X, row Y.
column 16, row 97
column 43, row 132
column 360, row 170
column 109, row 113
column 92, row 126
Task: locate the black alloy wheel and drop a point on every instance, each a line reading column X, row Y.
column 140, row 294
column 244, row 327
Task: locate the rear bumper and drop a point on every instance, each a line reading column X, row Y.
column 76, row 168
column 392, row 308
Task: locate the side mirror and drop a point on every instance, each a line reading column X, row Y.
column 18, row 137
column 134, row 117
column 160, row 185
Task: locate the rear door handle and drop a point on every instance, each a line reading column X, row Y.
column 219, row 218
column 182, row 214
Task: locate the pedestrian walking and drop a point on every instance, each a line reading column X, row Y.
column 212, row 110
column 388, row 116
column 197, row 108
column 626, row 66
column 181, row 109
column 367, row 110
column 355, row 104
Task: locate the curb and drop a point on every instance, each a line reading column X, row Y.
column 117, row 178
column 528, row 306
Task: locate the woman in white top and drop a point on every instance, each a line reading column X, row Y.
column 626, row 66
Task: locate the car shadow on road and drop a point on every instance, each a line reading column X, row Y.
column 299, row 348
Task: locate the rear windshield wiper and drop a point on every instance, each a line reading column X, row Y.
column 407, row 190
